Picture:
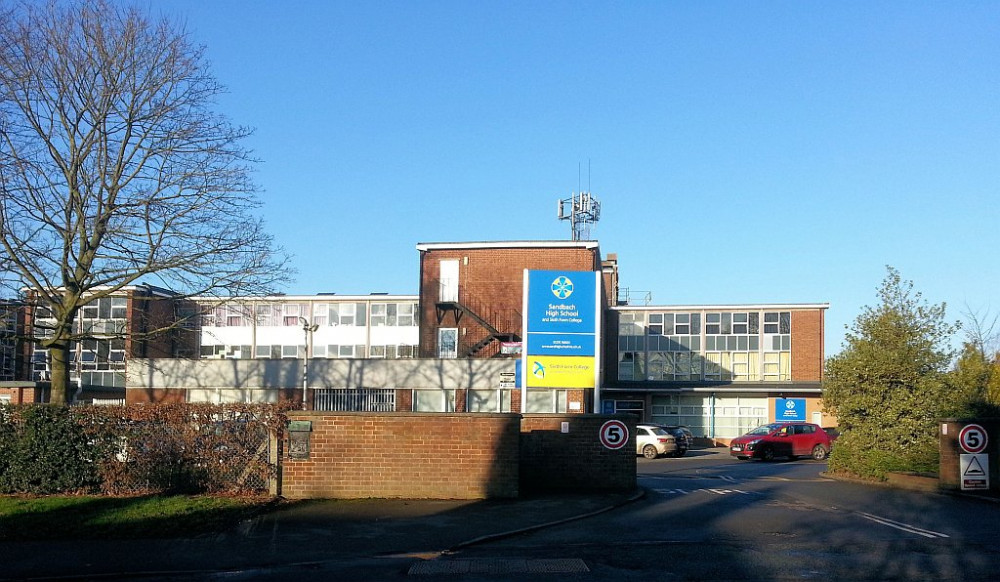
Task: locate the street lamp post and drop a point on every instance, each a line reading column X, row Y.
column 308, row 330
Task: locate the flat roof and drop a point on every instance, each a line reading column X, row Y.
column 532, row 244
column 722, row 307
column 329, row 297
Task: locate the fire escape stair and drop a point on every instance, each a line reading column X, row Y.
column 494, row 335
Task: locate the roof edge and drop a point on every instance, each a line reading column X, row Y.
column 532, row 244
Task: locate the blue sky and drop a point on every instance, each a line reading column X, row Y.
column 743, row 152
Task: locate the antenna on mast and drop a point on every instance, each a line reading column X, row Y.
column 581, row 209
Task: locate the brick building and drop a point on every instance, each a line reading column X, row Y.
column 471, row 303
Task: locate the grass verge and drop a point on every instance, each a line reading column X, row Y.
column 93, row 517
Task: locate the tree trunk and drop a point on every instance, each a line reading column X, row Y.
column 59, row 360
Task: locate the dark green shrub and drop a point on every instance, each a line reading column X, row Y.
column 51, row 453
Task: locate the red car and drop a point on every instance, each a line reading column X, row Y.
column 782, row 439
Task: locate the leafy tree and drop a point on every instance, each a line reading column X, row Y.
column 889, row 385
column 114, row 169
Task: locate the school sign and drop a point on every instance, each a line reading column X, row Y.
column 562, row 314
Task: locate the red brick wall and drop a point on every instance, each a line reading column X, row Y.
column 491, row 281
column 807, row 345
column 949, row 470
column 156, row 395
column 576, row 459
column 408, row 455
column 21, row 394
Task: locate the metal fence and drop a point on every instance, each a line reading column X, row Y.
column 354, row 400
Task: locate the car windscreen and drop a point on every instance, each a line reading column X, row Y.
column 766, row 429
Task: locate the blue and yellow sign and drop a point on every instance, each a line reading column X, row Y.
column 561, row 329
column 561, row 371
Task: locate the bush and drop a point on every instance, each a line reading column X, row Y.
column 47, row 451
column 189, row 448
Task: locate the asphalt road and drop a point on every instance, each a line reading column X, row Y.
column 710, row 517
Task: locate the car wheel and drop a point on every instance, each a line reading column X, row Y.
column 767, row 454
column 649, row 451
column 819, row 452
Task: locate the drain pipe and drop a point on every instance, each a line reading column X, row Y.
column 711, row 419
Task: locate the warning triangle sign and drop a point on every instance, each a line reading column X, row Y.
column 975, row 469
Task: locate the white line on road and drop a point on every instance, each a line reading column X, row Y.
column 903, row 526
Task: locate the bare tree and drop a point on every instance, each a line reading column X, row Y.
column 981, row 331
column 114, row 168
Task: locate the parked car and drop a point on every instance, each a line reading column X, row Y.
column 651, row 441
column 684, row 437
column 782, row 439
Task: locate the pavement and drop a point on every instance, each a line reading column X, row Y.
column 309, row 534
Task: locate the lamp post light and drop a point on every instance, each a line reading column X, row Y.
column 308, row 330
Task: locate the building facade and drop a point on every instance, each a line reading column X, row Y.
column 720, row 370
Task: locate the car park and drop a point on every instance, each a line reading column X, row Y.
column 651, row 441
column 684, row 437
column 782, row 439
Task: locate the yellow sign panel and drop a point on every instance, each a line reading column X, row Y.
column 560, row 372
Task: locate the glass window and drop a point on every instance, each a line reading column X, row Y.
column 321, row 312
column 289, row 351
column 713, row 323
column 119, row 307
column 682, row 323
column 405, row 315
column 390, row 315
column 292, row 312
column 785, row 322
column 754, row 323
column 771, row 322
column 378, row 314
column 740, row 321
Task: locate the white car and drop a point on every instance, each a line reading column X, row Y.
column 651, row 441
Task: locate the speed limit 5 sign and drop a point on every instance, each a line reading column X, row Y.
column 614, row 434
column 973, row 439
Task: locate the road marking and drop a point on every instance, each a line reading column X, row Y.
column 726, row 491
column 728, row 478
column 903, row 526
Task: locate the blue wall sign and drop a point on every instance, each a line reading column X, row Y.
column 789, row 409
column 562, row 302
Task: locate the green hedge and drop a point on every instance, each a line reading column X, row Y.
column 188, row 448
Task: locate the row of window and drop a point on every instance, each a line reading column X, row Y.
column 733, row 366
column 692, row 343
column 724, row 416
column 402, row 314
column 639, row 323
column 277, row 351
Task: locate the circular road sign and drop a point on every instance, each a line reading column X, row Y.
column 614, row 434
column 973, row 438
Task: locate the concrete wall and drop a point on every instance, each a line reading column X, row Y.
column 405, row 455
column 270, row 380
